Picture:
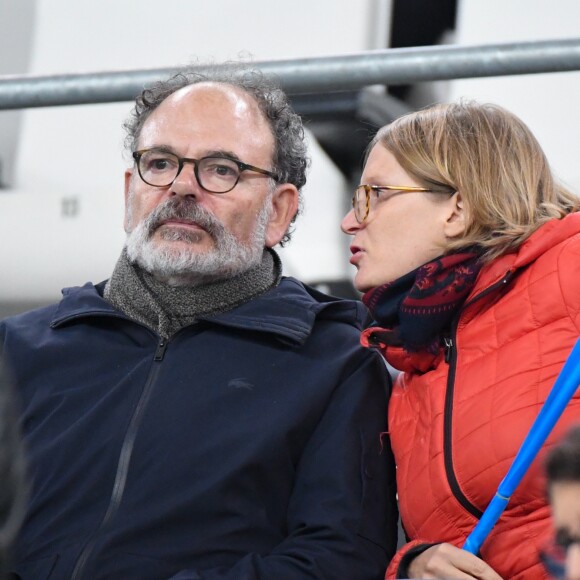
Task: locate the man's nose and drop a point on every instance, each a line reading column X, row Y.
column 349, row 224
column 186, row 182
column 573, row 562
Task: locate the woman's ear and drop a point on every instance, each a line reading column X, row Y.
column 456, row 222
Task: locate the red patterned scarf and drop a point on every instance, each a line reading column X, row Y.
column 417, row 309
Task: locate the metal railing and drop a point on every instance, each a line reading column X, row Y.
column 313, row 75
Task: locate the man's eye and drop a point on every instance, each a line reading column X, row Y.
column 221, row 168
column 224, row 170
column 160, row 163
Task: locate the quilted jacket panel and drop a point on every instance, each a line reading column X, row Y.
column 511, row 340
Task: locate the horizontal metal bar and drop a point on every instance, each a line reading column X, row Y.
column 313, row 75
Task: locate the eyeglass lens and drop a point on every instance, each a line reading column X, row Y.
column 360, row 203
column 216, row 174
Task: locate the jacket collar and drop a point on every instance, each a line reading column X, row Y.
column 543, row 239
column 549, row 235
column 287, row 311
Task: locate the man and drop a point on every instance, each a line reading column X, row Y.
column 562, row 559
column 198, row 416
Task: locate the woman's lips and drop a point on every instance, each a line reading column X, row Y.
column 357, row 254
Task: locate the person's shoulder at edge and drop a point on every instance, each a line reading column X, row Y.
column 345, row 310
column 86, row 296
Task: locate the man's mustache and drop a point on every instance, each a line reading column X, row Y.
column 183, row 209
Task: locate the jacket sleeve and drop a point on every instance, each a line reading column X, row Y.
column 342, row 515
column 399, row 566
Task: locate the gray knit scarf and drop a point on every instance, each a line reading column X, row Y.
column 166, row 309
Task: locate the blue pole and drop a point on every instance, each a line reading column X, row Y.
column 560, row 395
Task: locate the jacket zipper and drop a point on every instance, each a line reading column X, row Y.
column 123, row 463
column 451, row 358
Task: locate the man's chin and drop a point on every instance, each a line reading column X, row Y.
column 180, row 251
column 179, row 235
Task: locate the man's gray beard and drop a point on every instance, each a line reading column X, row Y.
column 180, row 265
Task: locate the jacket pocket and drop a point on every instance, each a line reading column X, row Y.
column 379, row 513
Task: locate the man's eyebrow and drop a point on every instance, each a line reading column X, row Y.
column 223, row 153
column 162, row 149
column 212, row 153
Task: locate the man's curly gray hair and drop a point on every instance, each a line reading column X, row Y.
column 290, row 159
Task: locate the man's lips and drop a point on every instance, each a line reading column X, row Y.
column 181, row 223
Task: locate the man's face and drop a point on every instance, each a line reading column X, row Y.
column 565, row 502
column 182, row 230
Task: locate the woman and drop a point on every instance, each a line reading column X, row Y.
column 468, row 252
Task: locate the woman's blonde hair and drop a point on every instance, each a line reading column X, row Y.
column 492, row 158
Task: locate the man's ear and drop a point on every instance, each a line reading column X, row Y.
column 284, row 208
column 456, row 217
column 128, row 179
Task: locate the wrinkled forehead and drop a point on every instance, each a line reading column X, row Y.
column 210, row 110
column 225, row 96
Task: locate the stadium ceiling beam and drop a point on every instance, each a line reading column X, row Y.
column 312, row 75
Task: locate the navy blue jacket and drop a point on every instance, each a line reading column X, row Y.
column 248, row 446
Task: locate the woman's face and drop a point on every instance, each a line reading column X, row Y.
column 403, row 230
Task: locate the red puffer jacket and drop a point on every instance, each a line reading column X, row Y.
column 457, row 420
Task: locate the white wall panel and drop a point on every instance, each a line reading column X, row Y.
column 76, row 152
column 548, row 103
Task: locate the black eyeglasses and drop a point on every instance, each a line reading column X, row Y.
column 362, row 202
column 160, row 168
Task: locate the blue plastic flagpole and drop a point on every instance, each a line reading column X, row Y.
column 560, row 395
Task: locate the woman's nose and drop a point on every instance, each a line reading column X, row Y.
column 349, row 224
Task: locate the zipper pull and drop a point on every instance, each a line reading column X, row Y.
column 160, row 352
column 448, row 348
